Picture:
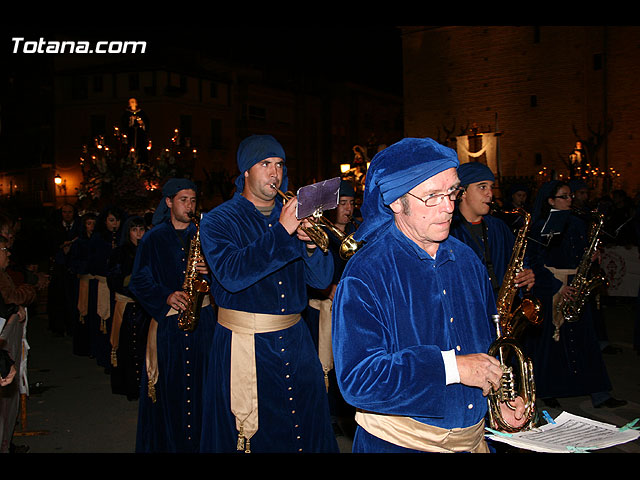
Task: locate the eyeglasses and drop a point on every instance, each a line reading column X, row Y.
column 436, row 198
column 566, row 197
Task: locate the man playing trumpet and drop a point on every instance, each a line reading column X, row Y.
column 262, row 356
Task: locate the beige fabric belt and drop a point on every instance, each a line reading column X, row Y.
column 325, row 349
column 243, row 376
column 561, row 274
column 409, row 433
column 103, row 302
column 118, row 312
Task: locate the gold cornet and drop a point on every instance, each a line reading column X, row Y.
column 507, row 349
column 348, row 245
column 315, row 233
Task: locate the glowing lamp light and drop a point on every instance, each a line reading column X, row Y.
column 344, row 167
column 57, row 179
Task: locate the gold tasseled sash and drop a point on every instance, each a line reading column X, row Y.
column 409, row 433
column 325, row 349
column 244, row 382
column 561, row 274
column 118, row 312
column 103, row 302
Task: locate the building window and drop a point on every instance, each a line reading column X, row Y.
column 257, row 113
column 253, row 112
column 185, row 127
column 98, row 125
column 134, row 82
column 98, row 85
column 597, row 61
column 79, row 88
column 216, row 133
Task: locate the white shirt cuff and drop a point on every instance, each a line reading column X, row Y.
column 450, row 367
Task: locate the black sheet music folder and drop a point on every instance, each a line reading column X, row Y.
column 555, row 222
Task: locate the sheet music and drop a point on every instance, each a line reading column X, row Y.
column 569, row 433
column 321, row 195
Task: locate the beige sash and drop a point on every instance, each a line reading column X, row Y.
column 409, row 433
column 103, row 302
column 325, row 349
column 118, row 312
column 561, row 274
column 244, row 381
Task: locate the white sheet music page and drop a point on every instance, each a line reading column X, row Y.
column 569, row 434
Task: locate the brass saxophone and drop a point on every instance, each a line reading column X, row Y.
column 509, row 324
column 194, row 285
column 513, row 320
column 586, row 280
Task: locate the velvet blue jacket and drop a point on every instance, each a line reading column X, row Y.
column 395, row 310
column 258, row 267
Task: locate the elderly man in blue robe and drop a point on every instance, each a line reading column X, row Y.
column 490, row 237
column 412, row 313
column 265, row 386
column 170, row 422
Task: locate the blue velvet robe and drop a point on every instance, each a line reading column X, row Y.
column 395, row 310
column 574, row 365
column 258, row 267
column 172, row 424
